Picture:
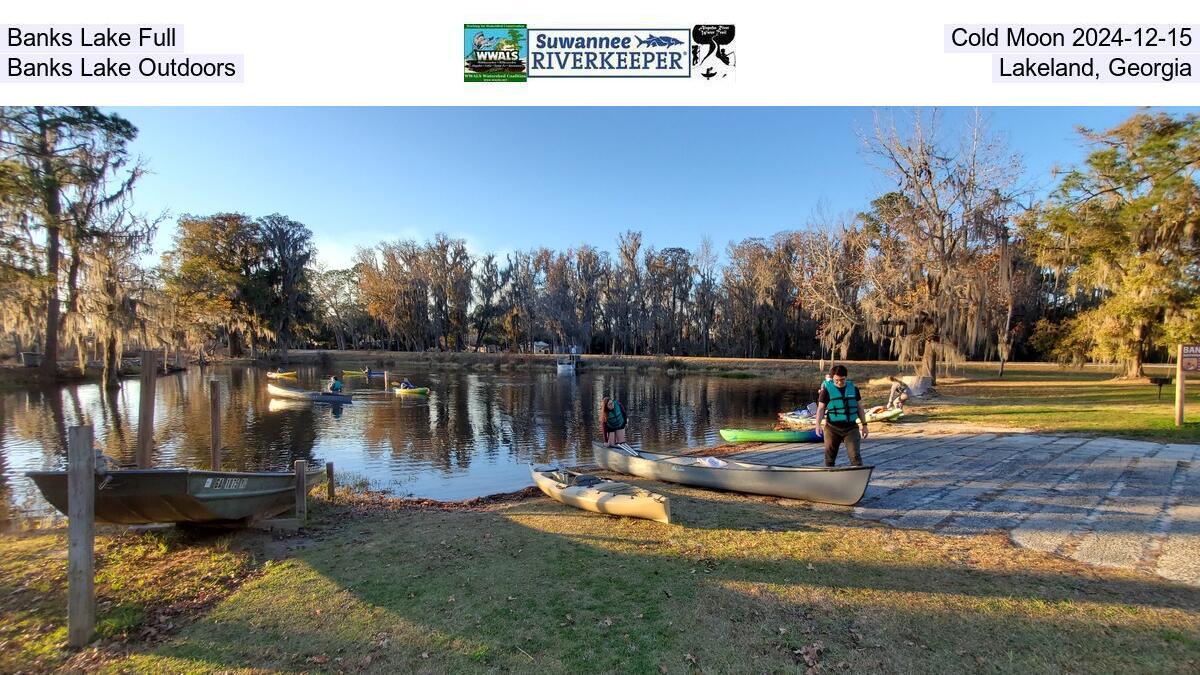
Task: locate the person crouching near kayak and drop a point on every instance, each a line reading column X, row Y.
column 613, row 420
column 335, row 384
column 840, row 417
column 898, row 394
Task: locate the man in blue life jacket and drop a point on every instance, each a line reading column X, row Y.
column 840, row 417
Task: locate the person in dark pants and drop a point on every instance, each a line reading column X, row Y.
column 840, row 417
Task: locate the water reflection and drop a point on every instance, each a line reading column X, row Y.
column 474, row 434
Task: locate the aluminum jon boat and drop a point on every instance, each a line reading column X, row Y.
column 306, row 395
column 593, row 493
column 840, row 485
column 143, row 496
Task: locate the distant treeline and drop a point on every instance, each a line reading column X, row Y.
column 957, row 261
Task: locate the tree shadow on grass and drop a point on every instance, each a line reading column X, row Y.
column 523, row 587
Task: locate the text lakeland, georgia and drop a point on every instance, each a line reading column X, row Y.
column 1027, row 67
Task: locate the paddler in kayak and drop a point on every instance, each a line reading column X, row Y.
column 840, row 417
column 335, row 384
column 405, row 384
column 613, row 421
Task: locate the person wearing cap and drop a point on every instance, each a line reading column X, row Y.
column 840, row 417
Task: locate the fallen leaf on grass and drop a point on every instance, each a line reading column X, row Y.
column 811, row 654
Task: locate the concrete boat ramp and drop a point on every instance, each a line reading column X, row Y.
column 1101, row 501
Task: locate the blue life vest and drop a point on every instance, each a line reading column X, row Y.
column 843, row 404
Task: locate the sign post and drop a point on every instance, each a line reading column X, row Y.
column 1188, row 362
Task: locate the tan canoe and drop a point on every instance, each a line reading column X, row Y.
column 592, row 493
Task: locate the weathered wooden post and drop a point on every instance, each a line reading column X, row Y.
column 81, row 536
column 214, row 407
column 385, row 380
column 1190, row 354
column 301, row 492
column 330, row 490
column 146, row 411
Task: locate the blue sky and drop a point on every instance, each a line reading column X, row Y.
column 509, row 178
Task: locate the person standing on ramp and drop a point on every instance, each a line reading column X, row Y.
column 840, row 417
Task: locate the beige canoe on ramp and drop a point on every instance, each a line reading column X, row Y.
column 592, row 493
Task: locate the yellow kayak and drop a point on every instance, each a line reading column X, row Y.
column 592, row 493
column 275, row 376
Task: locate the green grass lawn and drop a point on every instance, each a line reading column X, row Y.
column 1065, row 401
column 739, row 585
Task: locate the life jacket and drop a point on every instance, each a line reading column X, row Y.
column 615, row 418
column 843, row 404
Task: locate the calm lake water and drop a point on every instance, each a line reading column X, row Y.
column 474, row 435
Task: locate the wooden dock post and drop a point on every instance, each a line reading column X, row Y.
column 214, row 407
column 81, row 537
column 385, row 380
column 301, row 492
column 145, row 441
column 1180, row 386
column 330, row 488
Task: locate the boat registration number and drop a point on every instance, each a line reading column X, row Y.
column 226, row 483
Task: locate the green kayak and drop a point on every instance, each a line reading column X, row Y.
column 768, row 436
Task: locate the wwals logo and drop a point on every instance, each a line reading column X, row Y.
column 495, row 52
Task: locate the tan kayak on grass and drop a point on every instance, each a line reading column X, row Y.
column 592, row 493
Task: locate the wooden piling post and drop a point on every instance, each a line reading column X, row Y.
column 301, row 492
column 1180, row 387
column 214, row 408
column 330, row 488
column 81, row 537
column 145, row 443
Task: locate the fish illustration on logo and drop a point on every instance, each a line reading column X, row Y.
column 658, row 41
